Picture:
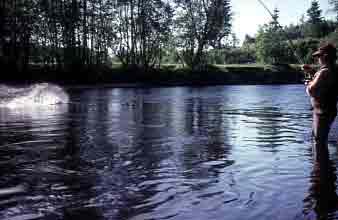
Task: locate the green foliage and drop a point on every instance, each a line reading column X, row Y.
column 334, row 4
column 332, row 37
column 201, row 24
column 248, row 40
column 274, row 24
column 270, row 42
column 305, row 48
column 317, row 30
column 315, row 26
column 147, row 33
column 230, row 56
column 314, row 13
column 143, row 32
column 294, row 31
column 271, row 45
column 275, row 44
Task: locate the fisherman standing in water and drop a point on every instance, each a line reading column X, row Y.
column 323, row 90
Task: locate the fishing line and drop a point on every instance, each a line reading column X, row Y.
column 293, row 48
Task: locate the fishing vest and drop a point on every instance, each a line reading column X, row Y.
column 325, row 102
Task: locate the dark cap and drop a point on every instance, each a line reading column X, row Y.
column 327, row 49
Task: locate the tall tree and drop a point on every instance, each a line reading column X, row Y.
column 315, row 25
column 314, row 13
column 271, row 46
column 199, row 25
column 275, row 17
column 334, row 4
column 143, row 30
column 17, row 18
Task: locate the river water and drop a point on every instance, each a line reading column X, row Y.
column 218, row 152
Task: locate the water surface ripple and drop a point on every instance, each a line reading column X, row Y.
column 221, row 152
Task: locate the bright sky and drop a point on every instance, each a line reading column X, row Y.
column 249, row 14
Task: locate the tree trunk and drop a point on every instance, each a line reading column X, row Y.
column 85, row 33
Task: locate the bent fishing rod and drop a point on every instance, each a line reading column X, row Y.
column 292, row 46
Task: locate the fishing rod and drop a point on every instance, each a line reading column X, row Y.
column 292, row 46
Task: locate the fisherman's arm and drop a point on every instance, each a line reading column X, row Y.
column 318, row 84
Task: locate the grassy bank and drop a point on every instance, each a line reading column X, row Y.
column 170, row 74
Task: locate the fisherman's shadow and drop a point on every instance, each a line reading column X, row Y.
column 322, row 199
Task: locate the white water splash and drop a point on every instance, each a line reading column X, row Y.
column 36, row 95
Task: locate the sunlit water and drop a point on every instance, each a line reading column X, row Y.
column 222, row 152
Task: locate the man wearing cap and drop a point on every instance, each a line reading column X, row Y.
column 322, row 89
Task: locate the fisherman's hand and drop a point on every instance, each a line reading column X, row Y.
column 307, row 82
column 307, row 68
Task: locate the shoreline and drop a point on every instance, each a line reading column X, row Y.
column 163, row 85
column 166, row 76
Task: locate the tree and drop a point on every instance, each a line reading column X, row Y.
column 334, row 4
column 271, row 46
column 17, row 19
column 314, row 13
column 305, row 48
column 201, row 24
column 234, row 41
column 315, row 25
column 248, row 47
column 143, row 30
column 275, row 23
column 294, row 32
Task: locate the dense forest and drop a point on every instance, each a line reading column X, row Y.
column 147, row 34
column 86, row 32
column 292, row 43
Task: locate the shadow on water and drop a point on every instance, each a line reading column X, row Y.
column 78, row 180
column 322, row 200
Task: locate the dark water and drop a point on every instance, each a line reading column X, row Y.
column 224, row 152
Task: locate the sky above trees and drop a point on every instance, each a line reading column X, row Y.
column 249, row 14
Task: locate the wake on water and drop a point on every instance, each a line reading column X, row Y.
column 34, row 95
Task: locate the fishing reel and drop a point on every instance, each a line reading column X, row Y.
column 308, row 77
column 308, row 73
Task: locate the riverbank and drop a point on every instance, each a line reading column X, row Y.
column 166, row 75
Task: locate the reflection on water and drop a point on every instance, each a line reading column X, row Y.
column 222, row 152
column 322, row 200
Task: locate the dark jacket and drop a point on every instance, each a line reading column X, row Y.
column 324, row 91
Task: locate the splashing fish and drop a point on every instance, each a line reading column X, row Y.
column 35, row 95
